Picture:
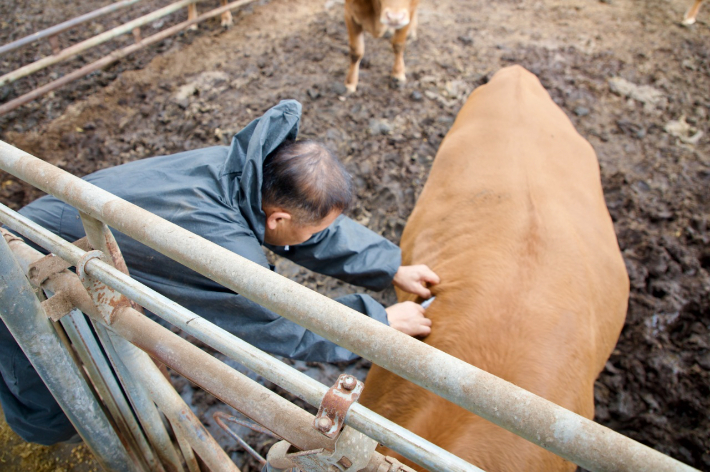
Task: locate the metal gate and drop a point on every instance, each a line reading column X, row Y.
column 128, row 432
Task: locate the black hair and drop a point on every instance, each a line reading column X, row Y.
column 305, row 178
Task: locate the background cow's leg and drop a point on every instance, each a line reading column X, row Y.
column 356, row 38
column 692, row 13
column 227, row 20
column 192, row 14
column 399, row 40
column 412, row 34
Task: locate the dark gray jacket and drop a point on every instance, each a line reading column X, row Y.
column 216, row 193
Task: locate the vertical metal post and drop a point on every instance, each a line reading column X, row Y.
column 148, row 416
column 24, row 317
column 105, row 382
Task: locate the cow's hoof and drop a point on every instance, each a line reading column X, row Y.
column 397, row 82
column 688, row 21
column 350, row 89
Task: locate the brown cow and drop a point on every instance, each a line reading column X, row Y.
column 375, row 17
column 227, row 20
column 692, row 13
column 533, row 287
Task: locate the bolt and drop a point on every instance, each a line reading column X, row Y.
column 349, row 382
column 324, row 424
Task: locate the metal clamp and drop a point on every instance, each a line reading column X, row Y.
column 58, row 305
column 335, row 405
column 353, row 452
column 9, row 236
column 46, row 267
column 41, row 270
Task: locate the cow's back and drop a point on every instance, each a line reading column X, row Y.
column 533, row 287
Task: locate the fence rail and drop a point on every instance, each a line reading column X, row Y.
column 538, row 420
column 114, row 56
column 55, row 30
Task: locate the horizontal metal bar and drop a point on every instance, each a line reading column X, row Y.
column 310, row 390
column 91, row 42
column 115, row 56
column 534, row 418
column 66, row 25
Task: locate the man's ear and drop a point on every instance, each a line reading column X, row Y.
column 275, row 217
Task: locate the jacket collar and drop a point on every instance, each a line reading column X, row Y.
column 244, row 165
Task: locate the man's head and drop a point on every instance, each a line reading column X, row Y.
column 305, row 188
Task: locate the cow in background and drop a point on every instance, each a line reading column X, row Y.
column 533, row 286
column 376, row 17
column 227, row 20
column 692, row 13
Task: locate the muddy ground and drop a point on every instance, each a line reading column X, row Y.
column 634, row 81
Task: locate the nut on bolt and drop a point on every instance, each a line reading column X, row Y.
column 349, row 382
column 324, row 424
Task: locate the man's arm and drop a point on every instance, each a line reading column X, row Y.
column 217, row 304
column 350, row 252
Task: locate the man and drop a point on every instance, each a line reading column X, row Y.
column 265, row 189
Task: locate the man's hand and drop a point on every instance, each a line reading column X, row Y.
column 408, row 317
column 413, row 279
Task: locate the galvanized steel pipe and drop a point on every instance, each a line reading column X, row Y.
column 538, row 420
column 148, row 416
column 105, row 382
column 147, row 375
column 115, row 56
column 24, row 317
column 66, row 25
column 91, row 42
column 139, row 365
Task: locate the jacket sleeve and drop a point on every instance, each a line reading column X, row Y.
column 347, row 251
column 261, row 327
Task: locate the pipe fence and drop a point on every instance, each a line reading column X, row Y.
column 64, row 54
column 571, row 436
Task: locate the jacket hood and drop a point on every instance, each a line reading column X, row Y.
column 250, row 147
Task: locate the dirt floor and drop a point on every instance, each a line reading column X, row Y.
column 634, row 82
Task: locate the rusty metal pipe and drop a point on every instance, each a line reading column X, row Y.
column 54, row 30
column 254, row 400
column 534, row 418
column 87, row 348
column 384, row 431
column 191, row 434
column 123, row 353
column 24, row 317
column 105, row 382
column 115, row 56
column 146, row 374
column 143, row 406
column 181, row 420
